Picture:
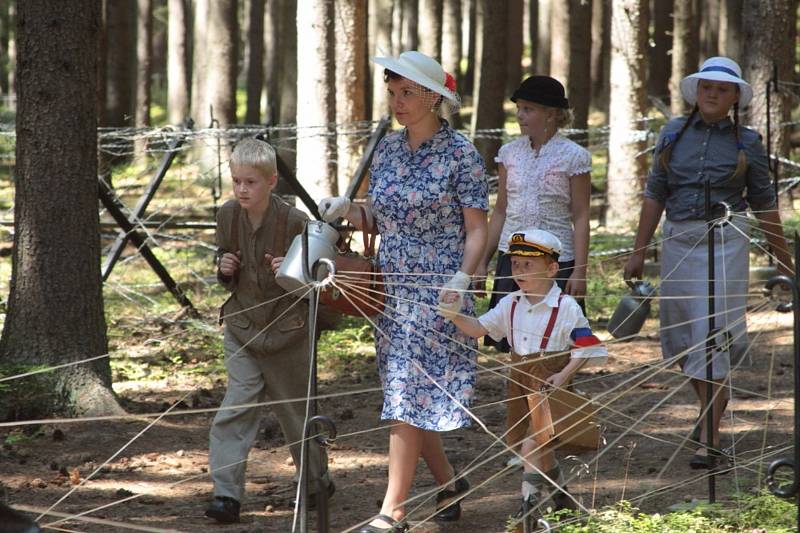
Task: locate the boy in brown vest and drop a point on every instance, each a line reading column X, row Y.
column 266, row 337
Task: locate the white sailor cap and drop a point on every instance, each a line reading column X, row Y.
column 534, row 243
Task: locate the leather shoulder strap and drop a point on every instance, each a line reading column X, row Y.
column 280, row 228
column 551, row 324
column 237, row 212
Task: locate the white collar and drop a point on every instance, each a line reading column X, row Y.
column 550, row 299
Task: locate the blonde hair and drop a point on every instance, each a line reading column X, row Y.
column 257, row 154
column 564, row 117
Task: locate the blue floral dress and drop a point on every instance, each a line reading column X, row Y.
column 417, row 198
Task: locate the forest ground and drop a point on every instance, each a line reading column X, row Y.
column 165, row 469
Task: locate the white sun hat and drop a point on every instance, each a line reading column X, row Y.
column 717, row 69
column 421, row 69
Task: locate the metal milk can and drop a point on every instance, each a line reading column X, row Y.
column 632, row 310
column 317, row 241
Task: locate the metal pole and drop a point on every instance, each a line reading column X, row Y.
column 794, row 488
column 712, row 331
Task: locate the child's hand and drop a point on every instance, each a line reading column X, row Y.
column 276, row 263
column 268, row 257
column 559, row 380
column 229, row 263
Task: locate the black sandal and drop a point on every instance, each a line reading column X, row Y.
column 710, row 460
column 395, row 526
column 448, row 502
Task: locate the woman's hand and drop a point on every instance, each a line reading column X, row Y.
column 634, row 267
column 333, row 208
column 229, row 264
column 576, row 284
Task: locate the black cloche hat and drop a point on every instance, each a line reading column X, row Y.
column 542, row 90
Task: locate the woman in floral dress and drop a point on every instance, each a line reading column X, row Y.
column 428, row 200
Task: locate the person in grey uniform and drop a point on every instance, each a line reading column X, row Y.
column 266, row 335
column 707, row 146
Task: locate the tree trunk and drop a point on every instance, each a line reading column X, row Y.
column 660, row 62
column 684, row 52
column 144, row 58
column 769, row 31
column 533, row 33
column 430, row 28
column 627, row 161
column 469, row 12
column 514, row 38
column 410, row 25
column 288, row 80
column 570, row 55
column 12, row 52
column 351, row 103
column 452, row 50
column 730, row 28
column 158, row 64
column 380, row 15
column 178, row 62
column 600, row 53
column 709, row 29
column 272, row 58
column 316, row 101
column 255, row 62
column 100, row 102
column 121, row 61
column 55, row 307
column 490, row 77
column 214, row 72
column 5, row 33
column 543, row 47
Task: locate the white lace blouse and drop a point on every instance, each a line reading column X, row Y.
column 538, row 188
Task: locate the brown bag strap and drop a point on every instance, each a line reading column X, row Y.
column 368, row 236
column 279, row 242
column 237, row 211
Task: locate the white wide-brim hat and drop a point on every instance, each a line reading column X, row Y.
column 421, row 69
column 717, row 69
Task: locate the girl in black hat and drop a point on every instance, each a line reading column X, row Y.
column 545, row 184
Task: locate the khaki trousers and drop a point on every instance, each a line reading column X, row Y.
column 526, row 378
column 255, row 377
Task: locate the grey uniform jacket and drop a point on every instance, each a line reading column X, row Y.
column 256, row 300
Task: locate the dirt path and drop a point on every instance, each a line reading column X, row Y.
column 166, row 468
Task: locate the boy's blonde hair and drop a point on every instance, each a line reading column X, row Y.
column 255, row 153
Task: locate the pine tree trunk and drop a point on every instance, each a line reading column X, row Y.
column 12, row 51
column 627, row 161
column 490, row 77
column 660, row 62
column 351, row 103
column 5, row 32
column 158, row 65
column 272, row 60
column 144, row 58
column 255, row 62
column 543, row 47
column 709, row 29
column 684, row 52
column 430, row 28
column 452, row 50
column 410, row 25
column 380, row 15
column 600, row 53
column 316, row 101
column 55, row 307
column 533, row 33
column 730, row 28
column 100, row 102
column 469, row 11
column 570, row 55
column 287, row 114
column 120, row 62
column 769, row 34
column 178, row 62
column 215, row 59
column 514, row 38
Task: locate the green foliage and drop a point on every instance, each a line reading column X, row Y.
column 762, row 513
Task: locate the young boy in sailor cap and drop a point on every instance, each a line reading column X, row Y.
column 550, row 340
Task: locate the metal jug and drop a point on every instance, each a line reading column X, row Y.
column 318, row 241
column 632, row 310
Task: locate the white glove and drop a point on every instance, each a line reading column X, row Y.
column 459, row 283
column 333, row 207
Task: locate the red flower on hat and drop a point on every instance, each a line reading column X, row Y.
column 449, row 82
